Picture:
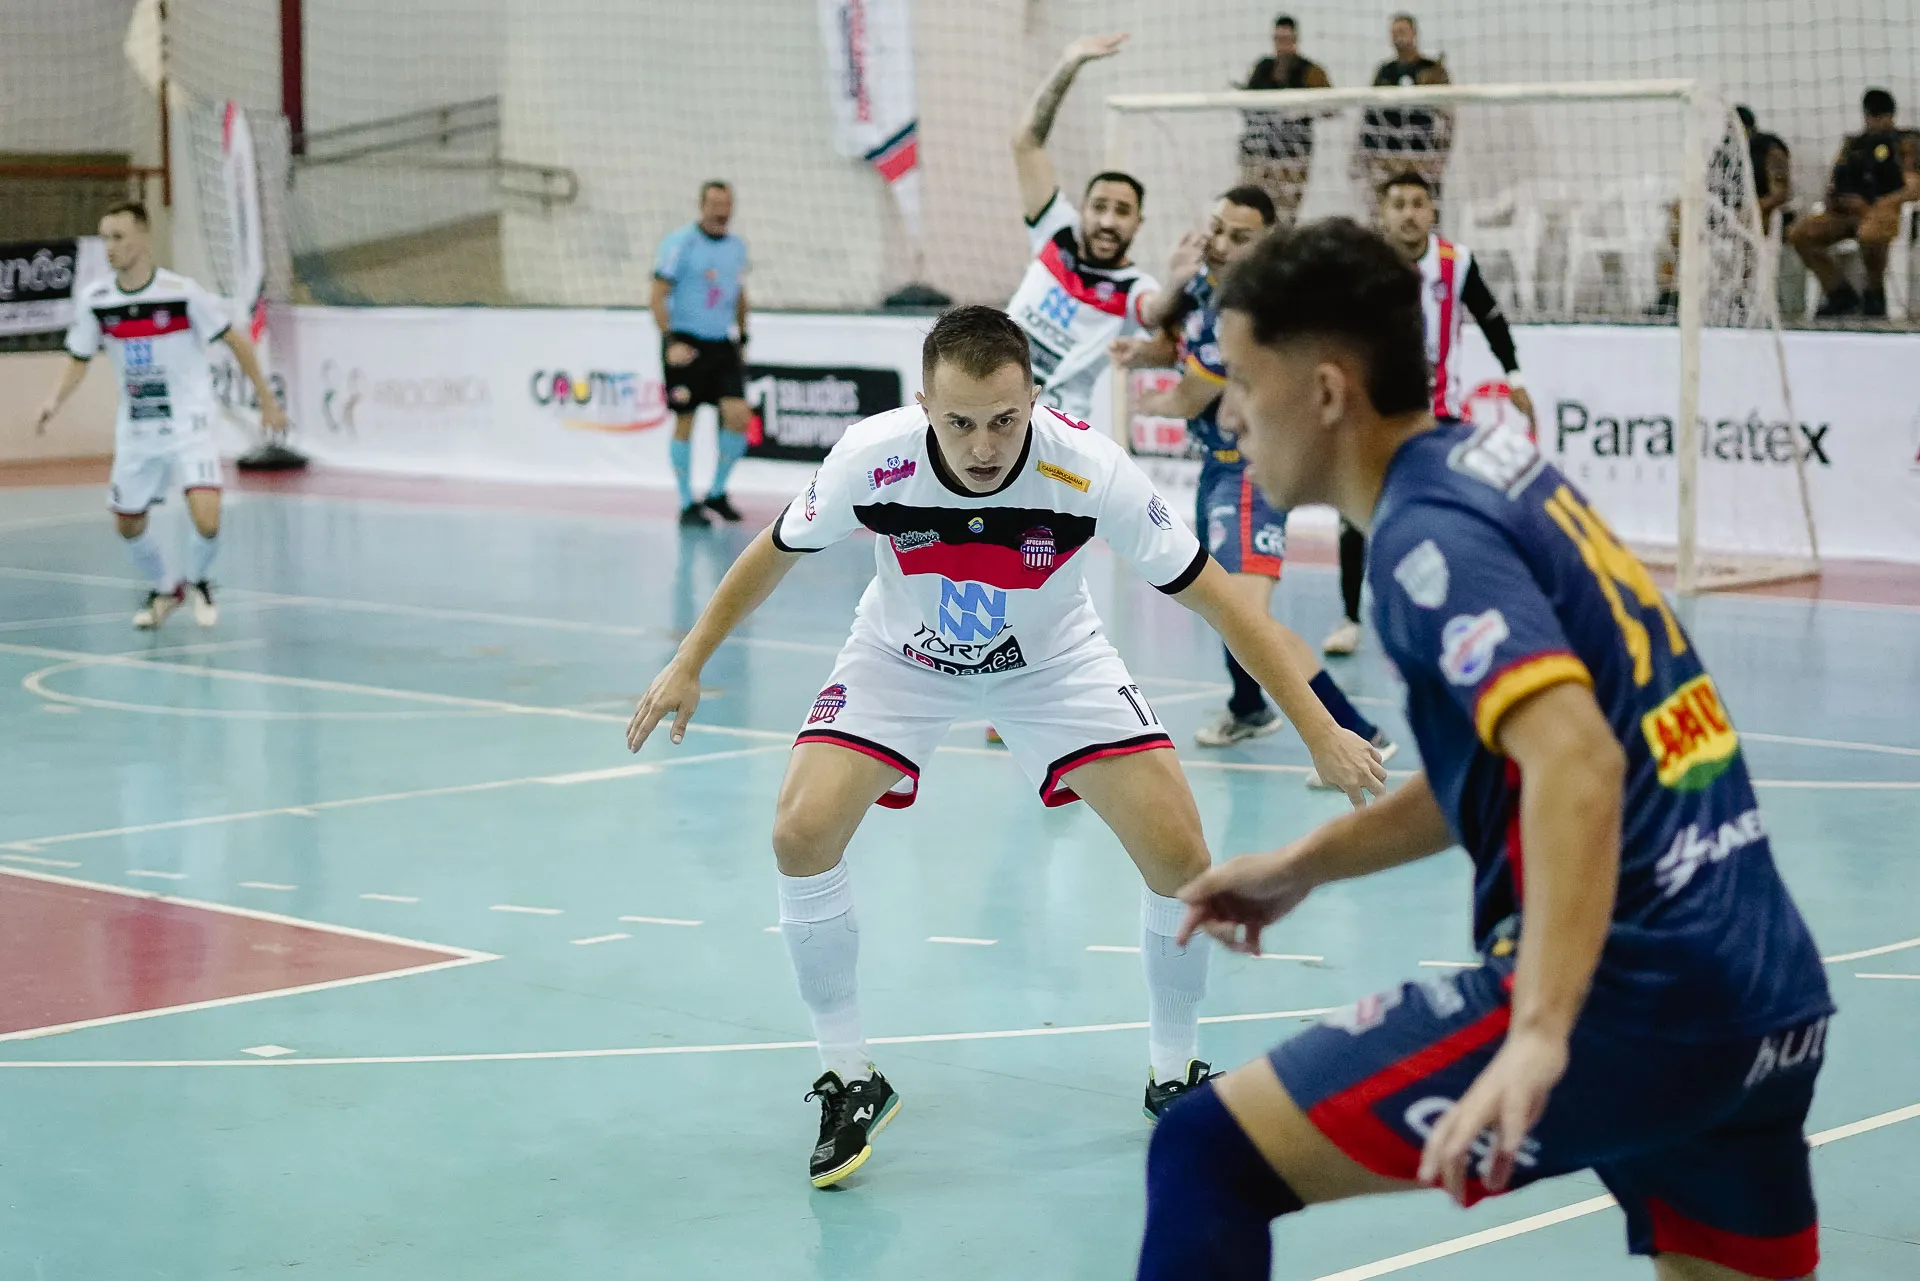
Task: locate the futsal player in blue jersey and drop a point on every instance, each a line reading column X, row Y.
column 1648, row 1002
column 699, row 300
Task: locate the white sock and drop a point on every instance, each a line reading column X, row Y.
column 204, row 549
column 150, row 559
column 823, row 939
column 1176, row 984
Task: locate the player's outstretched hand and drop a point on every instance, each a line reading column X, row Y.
column 1188, row 256
column 1523, row 402
column 1350, row 763
column 673, row 690
column 1091, row 48
column 273, row 417
column 1491, row 1121
column 1235, row 900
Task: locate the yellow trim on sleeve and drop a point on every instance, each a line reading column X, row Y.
column 1195, row 367
column 1523, row 680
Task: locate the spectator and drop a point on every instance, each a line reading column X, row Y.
column 1276, row 149
column 1877, row 171
column 1393, row 140
column 1772, row 167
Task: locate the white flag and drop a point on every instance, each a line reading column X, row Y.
column 869, row 47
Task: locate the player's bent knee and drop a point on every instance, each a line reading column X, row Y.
column 1211, row 1196
column 130, row 526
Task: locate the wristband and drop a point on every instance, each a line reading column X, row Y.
column 1515, row 382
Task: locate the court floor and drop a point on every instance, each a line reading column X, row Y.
column 346, row 940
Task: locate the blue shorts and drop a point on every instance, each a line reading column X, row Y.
column 1245, row 532
column 1702, row 1145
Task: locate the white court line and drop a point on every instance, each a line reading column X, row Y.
column 1864, row 953
column 1291, row 956
column 654, row 767
column 156, row 876
column 1838, row 745
column 949, row 938
column 642, row 1051
column 1450, row 965
column 1910, row 977
column 1110, row 947
column 527, row 911
column 266, row 885
column 600, row 938
column 391, row 898
column 430, row 611
column 70, row 620
column 39, row 862
column 50, row 522
column 663, row 920
column 1579, row 1209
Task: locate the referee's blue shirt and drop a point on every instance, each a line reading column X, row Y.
column 705, row 272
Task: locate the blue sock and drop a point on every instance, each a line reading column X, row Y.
column 681, row 452
column 1211, row 1197
column 732, row 445
column 1248, row 699
column 1344, row 713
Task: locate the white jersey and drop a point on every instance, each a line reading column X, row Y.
column 158, row 336
column 970, row 584
column 1071, row 311
column 1443, row 270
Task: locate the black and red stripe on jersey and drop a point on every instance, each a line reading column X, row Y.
column 143, row 319
column 1018, row 548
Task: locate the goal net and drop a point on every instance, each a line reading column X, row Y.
column 1615, row 222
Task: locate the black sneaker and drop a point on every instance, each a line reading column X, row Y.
column 1873, row 304
column 1162, row 1094
column 1841, row 302
column 719, row 506
column 693, row 516
column 850, row 1115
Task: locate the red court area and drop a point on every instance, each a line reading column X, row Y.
column 73, row 954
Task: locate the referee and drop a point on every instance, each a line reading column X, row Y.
column 699, row 296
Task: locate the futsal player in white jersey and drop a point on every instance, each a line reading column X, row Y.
column 157, row 326
column 984, row 503
column 1452, row 288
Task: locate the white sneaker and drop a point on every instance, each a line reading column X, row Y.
column 205, row 612
column 1387, row 749
column 1342, row 640
column 1228, row 729
column 159, row 605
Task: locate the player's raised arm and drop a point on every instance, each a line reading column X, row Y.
column 1038, row 181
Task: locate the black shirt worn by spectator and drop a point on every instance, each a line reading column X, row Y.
column 1393, row 129
column 1759, row 147
column 1270, row 134
column 1873, row 165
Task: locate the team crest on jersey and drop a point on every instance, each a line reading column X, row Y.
column 1037, row 548
column 828, row 705
column 1691, row 736
column 1422, row 574
column 1468, row 643
column 161, row 317
column 809, row 509
column 1103, row 290
column 1365, row 1014
column 897, row 469
column 977, row 525
column 1157, row 513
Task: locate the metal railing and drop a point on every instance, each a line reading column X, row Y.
column 397, row 141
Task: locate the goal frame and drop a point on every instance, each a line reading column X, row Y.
column 1699, row 103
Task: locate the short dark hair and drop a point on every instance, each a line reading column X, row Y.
column 979, row 340
column 1335, row 279
column 1248, row 196
column 1406, row 178
column 1746, row 116
column 1286, row 20
column 1115, row 175
column 136, row 208
column 1877, row 102
column 713, row 184
column 1405, row 17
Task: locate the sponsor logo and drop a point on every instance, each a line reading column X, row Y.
column 1037, row 548
column 600, row 400
column 1691, row 738
column 161, row 317
column 832, row 699
column 1216, row 533
column 1506, row 460
column 800, row 412
column 1421, row 1116
column 897, row 469
column 136, row 353
column 810, row 508
column 1064, row 476
column 1442, row 995
column 971, row 611
column 1467, row 645
column 1422, row 575
column 915, row 538
column 1490, row 404
column 1059, row 307
column 1694, row 848
column 977, row 525
column 1157, row 513
column 1365, row 1014
column 1614, row 437
column 347, row 394
column 47, row 272
column 1783, row 1051
column 1004, row 657
column 1270, row 540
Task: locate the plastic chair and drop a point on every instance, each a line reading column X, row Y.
column 1899, row 278
column 1514, row 224
column 1627, row 221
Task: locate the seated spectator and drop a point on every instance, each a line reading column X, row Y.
column 1772, row 167
column 1877, row 171
column 1392, row 140
column 1276, row 149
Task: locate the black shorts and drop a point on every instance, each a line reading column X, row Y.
column 714, row 374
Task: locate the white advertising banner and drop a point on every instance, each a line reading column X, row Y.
column 576, row 396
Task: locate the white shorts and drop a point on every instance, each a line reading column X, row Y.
column 141, row 477
column 1054, row 718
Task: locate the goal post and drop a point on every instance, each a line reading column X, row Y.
column 1617, row 222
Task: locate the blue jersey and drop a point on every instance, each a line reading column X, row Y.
column 1493, row 580
column 1200, row 358
column 705, row 272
